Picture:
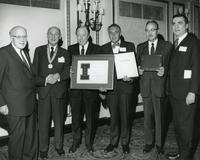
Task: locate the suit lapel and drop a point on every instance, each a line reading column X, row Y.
column 15, row 55
column 159, row 47
column 146, row 49
column 29, row 61
column 183, row 41
column 89, row 49
column 110, row 50
column 76, row 50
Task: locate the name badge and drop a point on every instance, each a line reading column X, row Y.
column 187, row 74
column 61, row 59
column 122, row 49
column 182, row 48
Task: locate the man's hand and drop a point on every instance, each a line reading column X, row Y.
column 160, row 71
column 56, row 77
column 52, row 78
column 49, row 79
column 127, row 79
column 102, row 90
column 141, row 71
column 190, row 98
column 4, row 110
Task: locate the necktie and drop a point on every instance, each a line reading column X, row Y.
column 82, row 50
column 52, row 52
column 24, row 59
column 176, row 43
column 152, row 48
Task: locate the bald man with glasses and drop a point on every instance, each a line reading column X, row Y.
column 17, row 96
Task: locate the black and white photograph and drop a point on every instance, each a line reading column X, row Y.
column 99, row 79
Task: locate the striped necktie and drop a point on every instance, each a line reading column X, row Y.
column 24, row 59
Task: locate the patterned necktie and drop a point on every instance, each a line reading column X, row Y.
column 24, row 59
column 152, row 48
column 176, row 43
column 52, row 52
column 82, row 50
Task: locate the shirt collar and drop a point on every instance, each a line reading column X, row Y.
column 16, row 49
column 54, row 47
column 119, row 42
column 154, row 42
column 85, row 45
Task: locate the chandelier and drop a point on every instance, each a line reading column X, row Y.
column 92, row 12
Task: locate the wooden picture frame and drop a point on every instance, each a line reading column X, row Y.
column 92, row 71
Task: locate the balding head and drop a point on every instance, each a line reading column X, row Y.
column 18, row 36
column 53, row 35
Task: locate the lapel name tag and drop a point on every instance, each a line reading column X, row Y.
column 61, row 59
column 122, row 49
column 187, row 74
column 182, row 49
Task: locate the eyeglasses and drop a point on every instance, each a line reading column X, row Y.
column 56, row 34
column 151, row 30
column 20, row 37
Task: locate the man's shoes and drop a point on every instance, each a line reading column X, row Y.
column 172, row 155
column 159, row 150
column 60, row 152
column 110, row 148
column 90, row 148
column 74, row 147
column 148, row 148
column 43, row 155
column 125, row 149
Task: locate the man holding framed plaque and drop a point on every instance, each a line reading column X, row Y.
column 83, row 100
column 153, row 57
column 122, row 98
column 51, row 67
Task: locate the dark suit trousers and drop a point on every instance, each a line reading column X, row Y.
column 183, row 117
column 48, row 108
column 119, row 106
column 80, row 104
column 23, row 137
column 154, row 120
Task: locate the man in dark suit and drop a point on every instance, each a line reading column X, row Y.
column 17, row 97
column 153, row 88
column 51, row 66
column 121, row 99
column 83, row 100
column 184, row 84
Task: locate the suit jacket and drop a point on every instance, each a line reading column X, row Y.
column 120, row 85
column 185, row 57
column 150, row 82
column 41, row 70
column 74, row 50
column 17, row 83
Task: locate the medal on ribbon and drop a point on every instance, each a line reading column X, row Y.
column 51, row 59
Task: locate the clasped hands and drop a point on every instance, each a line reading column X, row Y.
column 160, row 71
column 4, row 110
column 52, row 78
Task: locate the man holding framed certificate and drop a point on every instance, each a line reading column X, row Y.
column 153, row 58
column 83, row 99
column 122, row 98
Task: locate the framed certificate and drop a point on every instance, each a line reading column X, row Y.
column 92, row 72
column 125, row 65
column 151, row 62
